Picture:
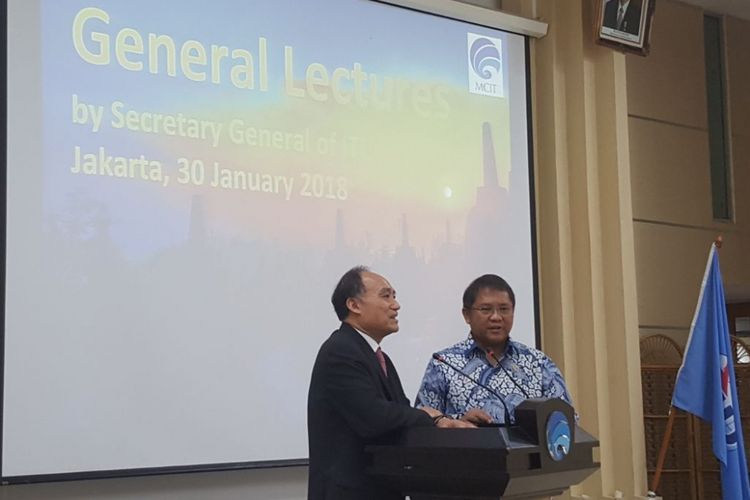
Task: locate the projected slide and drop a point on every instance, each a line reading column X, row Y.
column 187, row 182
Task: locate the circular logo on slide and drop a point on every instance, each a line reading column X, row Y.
column 485, row 58
column 558, row 435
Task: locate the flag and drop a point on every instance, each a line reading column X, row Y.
column 706, row 386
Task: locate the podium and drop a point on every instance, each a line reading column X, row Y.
column 541, row 455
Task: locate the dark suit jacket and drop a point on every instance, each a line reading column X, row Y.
column 630, row 23
column 351, row 404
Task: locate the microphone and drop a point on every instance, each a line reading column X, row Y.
column 492, row 355
column 441, row 359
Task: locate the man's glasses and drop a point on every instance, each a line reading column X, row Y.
column 503, row 311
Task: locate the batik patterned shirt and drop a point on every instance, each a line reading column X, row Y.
column 523, row 372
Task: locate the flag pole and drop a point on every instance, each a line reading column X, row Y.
column 662, row 453
column 670, row 423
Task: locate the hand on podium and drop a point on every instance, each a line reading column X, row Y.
column 477, row 417
column 445, row 422
column 452, row 423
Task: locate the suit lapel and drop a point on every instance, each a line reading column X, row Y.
column 368, row 356
column 394, row 383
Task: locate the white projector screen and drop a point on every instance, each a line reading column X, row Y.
column 186, row 182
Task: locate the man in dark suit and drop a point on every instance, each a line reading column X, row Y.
column 356, row 398
column 623, row 15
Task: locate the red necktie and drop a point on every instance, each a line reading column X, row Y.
column 381, row 359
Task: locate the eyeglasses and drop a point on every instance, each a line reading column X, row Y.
column 503, row 311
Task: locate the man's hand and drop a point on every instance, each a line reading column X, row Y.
column 477, row 417
column 431, row 411
column 444, row 421
column 450, row 423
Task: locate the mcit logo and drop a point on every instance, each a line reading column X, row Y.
column 485, row 65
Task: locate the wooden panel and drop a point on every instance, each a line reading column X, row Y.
column 669, row 171
column 678, row 479
column 674, row 485
column 734, row 258
column 669, row 266
column 670, row 262
column 670, row 83
column 658, row 387
column 740, row 165
column 738, row 74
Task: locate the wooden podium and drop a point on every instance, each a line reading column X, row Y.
column 541, row 455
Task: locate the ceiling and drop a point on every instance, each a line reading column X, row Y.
column 734, row 8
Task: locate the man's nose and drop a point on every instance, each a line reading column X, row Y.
column 395, row 305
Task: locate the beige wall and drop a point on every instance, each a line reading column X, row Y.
column 671, row 187
column 584, row 264
column 589, row 317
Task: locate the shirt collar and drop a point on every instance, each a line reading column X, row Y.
column 370, row 341
column 473, row 348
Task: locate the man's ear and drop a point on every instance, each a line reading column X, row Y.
column 353, row 305
column 465, row 312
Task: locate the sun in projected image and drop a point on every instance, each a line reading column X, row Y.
column 447, row 192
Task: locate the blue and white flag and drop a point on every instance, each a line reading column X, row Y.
column 706, row 385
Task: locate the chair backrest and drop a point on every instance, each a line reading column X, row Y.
column 740, row 350
column 660, row 350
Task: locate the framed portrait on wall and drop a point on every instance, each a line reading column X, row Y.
column 624, row 24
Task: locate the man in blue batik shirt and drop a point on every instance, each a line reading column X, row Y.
column 511, row 369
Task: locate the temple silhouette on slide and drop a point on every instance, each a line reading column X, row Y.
column 486, row 219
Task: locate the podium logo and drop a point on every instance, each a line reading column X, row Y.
column 558, row 435
column 485, row 65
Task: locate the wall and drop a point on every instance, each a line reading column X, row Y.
column 671, row 187
column 587, row 267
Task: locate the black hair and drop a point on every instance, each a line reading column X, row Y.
column 487, row 281
column 349, row 286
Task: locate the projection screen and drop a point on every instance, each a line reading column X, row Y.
column 186, row 182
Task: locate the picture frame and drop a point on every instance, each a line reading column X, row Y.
column 624, row 24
